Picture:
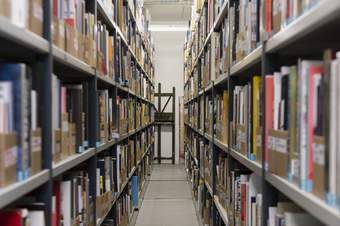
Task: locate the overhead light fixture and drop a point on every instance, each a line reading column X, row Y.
column 168, row 28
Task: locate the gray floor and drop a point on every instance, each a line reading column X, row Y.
column 167, row 201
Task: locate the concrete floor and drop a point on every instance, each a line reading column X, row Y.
column 167, row 201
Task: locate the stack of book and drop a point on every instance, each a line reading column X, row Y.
column 245, row 20
column 20, row 132
column 221, row 124
column 73, row 29
column 72, row 202
column 28, row 14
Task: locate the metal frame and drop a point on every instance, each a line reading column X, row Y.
column 171, row 123
column 46, row 59
column 264, row 60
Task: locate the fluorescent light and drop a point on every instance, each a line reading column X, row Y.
column 168, row 28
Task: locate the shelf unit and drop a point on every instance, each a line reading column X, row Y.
column 301, row 37
column 22, row 45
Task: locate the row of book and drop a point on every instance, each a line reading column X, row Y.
column 138, row 40
column 24, row 14
column 129, row 111
column 69, row 118
column 72, row 202
column 24, row 215
column 251, row 22
column 300, row 134
column 245, row 124
column 279, row 14
column 20, row 121
column 73, row 30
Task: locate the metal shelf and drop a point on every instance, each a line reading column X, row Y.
column 192, row 155
column 208, row 187
column 223, row 212
column 221, row 145
column 250, row 60
column 104, row 146
column 316, row 17
column 252, row 165
column 315, row 206
column 114, row 26
column 72, row 161
column 64, row 58
column 15, row 191
column 22, row 37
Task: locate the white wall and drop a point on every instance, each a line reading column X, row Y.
column 169, row 72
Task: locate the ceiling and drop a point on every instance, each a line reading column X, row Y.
column 174, row 12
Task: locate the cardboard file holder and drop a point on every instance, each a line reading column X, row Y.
column 8, row 159
column 36, row 151
column 278, row 152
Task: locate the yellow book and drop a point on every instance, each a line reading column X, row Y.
column 256, row 109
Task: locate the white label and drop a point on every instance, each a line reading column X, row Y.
column 271, row 143
column 10, row 157
column 319, row 154
column 61, row 30
column 295, row 166
column 37, row 12
column 258, row 140
column 36, row 144
column 281, row 145
column 65, row 126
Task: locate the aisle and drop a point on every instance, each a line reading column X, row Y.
column 167, row 201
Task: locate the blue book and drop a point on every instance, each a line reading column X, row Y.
column 134, row 191
column 17, row 74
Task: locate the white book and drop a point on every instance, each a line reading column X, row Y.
column 6, row 102
column 259, row 209
column 98, row 181
column 300, row 219
column 34, row 109
column 277, row 99
column 37, row 218
column 337, row 166
column 272, row 214
column 66, row 202
column 333, row 128
column 255, row 186
column 19, row 13
column 118, row 168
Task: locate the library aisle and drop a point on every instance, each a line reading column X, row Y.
column 167, row 201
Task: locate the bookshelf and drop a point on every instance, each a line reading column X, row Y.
column 94, row 110
column 221, row 59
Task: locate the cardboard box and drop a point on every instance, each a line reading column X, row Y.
column 72, row 136
column 5, row 9
column 241, row 139
column 36, row 16
column 58, row 33
column 259, row 150
column 57, row 146
column 319, row 166
column 278, row 152
column 72, row 44
column 8, row 159
column 81, row 46
column 65, row 140
column 36, row 151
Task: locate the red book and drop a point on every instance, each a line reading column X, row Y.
column 269, row 99
column 13, row 217
column 269, row 16
column 314, row 70
column 243, row 203
column 57, row 194
column 55, row 8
